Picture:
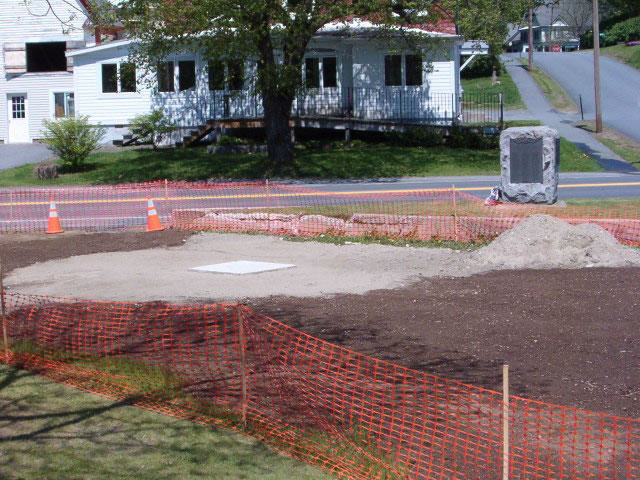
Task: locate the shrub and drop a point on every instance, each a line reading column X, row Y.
column 72, row 139
column 626, row 31
column 466, row 138
column 228, row 140
column 417, row 137
column 151, row 127
column 483, row 66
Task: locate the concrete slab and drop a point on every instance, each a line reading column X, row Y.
column 242, row 267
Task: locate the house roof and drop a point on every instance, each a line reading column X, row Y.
column 356, row 28
column 102, row 46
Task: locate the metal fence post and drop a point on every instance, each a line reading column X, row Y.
column 501, row 107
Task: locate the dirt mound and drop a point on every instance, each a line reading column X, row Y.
column 542, row 241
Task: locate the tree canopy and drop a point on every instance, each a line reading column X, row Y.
column 276, row 33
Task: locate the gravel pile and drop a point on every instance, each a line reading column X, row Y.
column 542, row 241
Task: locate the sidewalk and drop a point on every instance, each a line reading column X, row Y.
column 539, row 108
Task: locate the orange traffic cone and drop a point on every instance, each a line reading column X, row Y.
column 54, row 220
column 153, row 221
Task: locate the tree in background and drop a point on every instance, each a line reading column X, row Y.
column 276, row 33
column 620, row 8
column 577, row 14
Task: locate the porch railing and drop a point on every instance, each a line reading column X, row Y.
column 388, row 104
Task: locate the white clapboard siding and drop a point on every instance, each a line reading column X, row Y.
column 435, row 99
column 31, row 22
column 107, row 108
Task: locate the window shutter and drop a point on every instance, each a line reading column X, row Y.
column 15, row 58
column 73, row 46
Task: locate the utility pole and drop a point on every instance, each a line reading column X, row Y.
column 531, row 39
column 596, row 65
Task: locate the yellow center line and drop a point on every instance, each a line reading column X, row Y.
column 295, row 194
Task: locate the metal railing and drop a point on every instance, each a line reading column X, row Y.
column 409, row 105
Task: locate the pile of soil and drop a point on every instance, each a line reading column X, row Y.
column 542, row 241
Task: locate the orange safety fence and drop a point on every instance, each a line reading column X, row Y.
column 294, row 210
column 351, row 414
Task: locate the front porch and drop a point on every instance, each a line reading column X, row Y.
column 350, row 108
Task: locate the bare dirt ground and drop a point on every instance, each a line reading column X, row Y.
column 571, row 336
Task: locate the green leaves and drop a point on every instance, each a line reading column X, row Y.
column 72, row 140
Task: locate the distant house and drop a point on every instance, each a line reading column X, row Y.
column 36, row 78
column 346, row 72
column 56, row 65
column 550, row 34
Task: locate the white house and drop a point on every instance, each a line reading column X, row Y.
column 52, row 66
column 36, row 79
column 346, row 72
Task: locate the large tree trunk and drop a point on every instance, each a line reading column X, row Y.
column 277, row 112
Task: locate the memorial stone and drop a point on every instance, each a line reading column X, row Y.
column 529, row 163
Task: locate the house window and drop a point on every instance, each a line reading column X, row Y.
column 64, row 104
column 396, row 76
column 127, row 77
column 312, row 73
column 186, row 75
column 216, row 75
column 46, row 57
column 118, row 78
column 236, row 74
column 329, row 72
column 413, row 69
column 109, row 78
column 18, row 107
column 166, row 82
column 393, row 70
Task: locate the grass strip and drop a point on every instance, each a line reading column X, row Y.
column 363, row 161
column 622, row 53
column 624, row 146
column 51, row 431
column 552, row 90
column 161, row 385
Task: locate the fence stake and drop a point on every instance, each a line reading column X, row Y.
column 455, row 214
column 10, row 209
column 2, row 315
column 166, row 198
column 266, row 183
column 505, row 422
column 243, row 364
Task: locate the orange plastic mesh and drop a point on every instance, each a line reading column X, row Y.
column 351, row 414
column 293, row 210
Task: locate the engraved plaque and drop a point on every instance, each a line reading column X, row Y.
column 526, row 161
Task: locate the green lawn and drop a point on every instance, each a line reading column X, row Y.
column 368, row 160
column 630, row 153
column 622, row 53
column 552, row 90
column 50, row 431
column 512, row 99
column 601, row 202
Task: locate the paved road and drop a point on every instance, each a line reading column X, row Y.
column 619, row 83
column 540, row 109
column 572, row 185
column 16, row 154
column 112, row 208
